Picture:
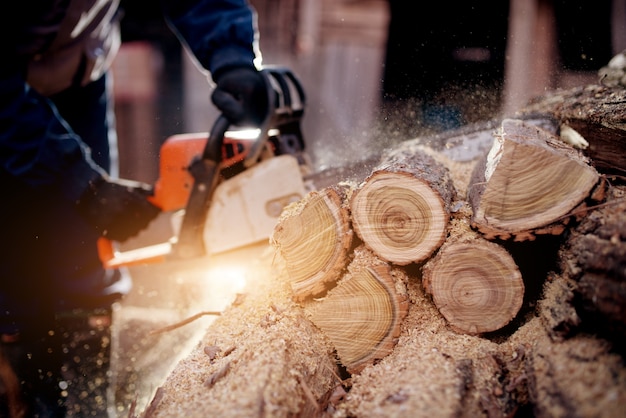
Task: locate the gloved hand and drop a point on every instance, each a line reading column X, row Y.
column 241, row 95
column 117, row 209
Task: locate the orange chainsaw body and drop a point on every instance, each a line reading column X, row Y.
column 246, row 164
column 172, row 189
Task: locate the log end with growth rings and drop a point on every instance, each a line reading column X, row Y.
column 476, row 285
column 399, row 217
column 313, row 236
column 362, row 316
column 528, row 183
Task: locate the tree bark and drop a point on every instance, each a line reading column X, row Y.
column 594, row 257
column 598, row 114
column 579, row 376
column 528, row 184
column 402, row 209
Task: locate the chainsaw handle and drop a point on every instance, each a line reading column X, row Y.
column 253, row 153
column 285, row 94
column 213, row 148
column 206, row 174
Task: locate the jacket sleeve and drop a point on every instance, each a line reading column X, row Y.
column 36, row 145
column 219, row 33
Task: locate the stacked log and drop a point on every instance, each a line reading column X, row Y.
column 475, row 284
column 363, row 313
column 438, row 330
column 314, row 239
column 529, row 183
column 402, row 209
column 399, row 214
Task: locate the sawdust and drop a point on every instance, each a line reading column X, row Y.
column 257, row 342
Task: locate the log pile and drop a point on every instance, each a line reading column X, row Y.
column 440, row 287
column 529, row 183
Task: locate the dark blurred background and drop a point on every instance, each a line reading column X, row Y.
column 376, row 71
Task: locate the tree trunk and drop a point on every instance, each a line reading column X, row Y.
column 402, row 209
column 528, row 184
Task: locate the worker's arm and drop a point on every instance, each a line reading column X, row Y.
column 219, row 33
column 36, row 147
column 39, row 151
column 223, row 37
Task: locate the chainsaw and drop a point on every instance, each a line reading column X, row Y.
column 226, row 188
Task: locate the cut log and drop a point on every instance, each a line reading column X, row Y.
column 401, row 210
column 528, row 183
column 598, row 114
column 475, row 284
column 314, row 236
column 362, row 315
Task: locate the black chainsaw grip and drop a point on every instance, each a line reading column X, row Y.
column 205, row 172
column 213, row 147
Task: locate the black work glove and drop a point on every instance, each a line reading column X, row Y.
column 117, row 209
column 241, row 95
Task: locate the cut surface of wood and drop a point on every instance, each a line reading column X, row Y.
column 529, row 181
column 313, row 236
column 361, row 316
column 476, row 285
column 400, row 211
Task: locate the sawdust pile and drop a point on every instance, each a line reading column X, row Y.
column 244, row 365
column 262, row 357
